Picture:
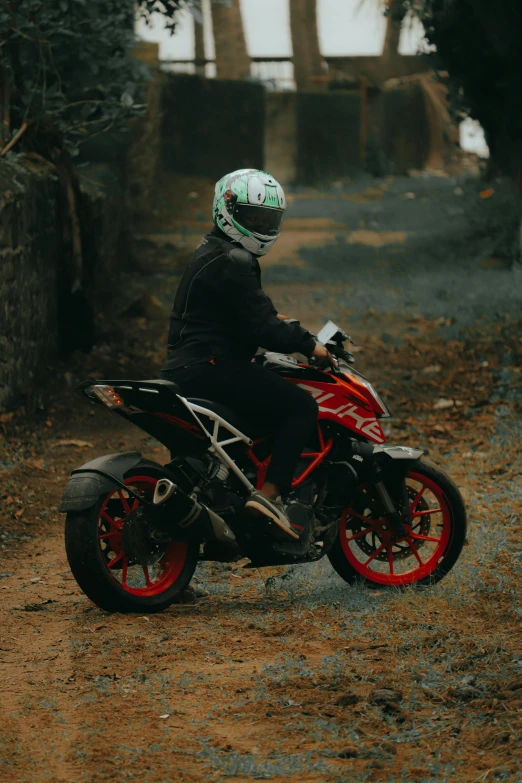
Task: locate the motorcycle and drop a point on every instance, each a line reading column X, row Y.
column 135, row 530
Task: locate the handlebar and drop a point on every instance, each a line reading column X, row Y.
column 338, row 352
column 335, row 347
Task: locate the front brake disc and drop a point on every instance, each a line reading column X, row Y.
column 401, row 550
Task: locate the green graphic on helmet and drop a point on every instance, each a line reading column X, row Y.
column 249, row 206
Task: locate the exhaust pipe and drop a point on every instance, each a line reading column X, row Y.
column 188, row 514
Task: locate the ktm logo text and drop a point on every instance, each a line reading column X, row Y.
column 368, row 425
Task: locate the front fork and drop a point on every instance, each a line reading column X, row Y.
column 391, row 512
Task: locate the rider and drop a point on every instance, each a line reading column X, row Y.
column 221, row 316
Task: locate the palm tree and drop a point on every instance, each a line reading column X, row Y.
column 199, row 37
column 232, row 60
column 308, row 63
column 394, row 17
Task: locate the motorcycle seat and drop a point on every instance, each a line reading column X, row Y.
column 228, row 415
column 161, row 383
column 158, row 384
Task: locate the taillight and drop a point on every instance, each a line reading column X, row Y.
column 107, row 395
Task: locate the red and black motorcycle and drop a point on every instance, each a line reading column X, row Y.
column 135, row 530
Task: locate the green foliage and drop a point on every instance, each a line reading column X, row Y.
column 68, row 65
column 168, row 8
column 478, row 45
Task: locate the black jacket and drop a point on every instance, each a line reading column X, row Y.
column 221, row 312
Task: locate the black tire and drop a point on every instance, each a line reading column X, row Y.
column 89, row 567
column 452, row 549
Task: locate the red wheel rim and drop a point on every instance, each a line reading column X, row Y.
column 382, row 565
column 142, row 581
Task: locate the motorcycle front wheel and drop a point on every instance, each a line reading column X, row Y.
column 366, row 550
column 94, row 542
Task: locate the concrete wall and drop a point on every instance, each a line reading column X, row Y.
column 328, row 131
column 315, row 137
column 312, row 137
column 211, row 126
column 144, row 153
column 281, row 136
column 410, row 126
column 377, row 70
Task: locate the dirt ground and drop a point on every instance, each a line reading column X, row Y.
column 273, row 674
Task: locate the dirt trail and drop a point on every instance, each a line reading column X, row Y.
column 272, row 675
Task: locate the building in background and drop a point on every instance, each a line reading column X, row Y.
column 345, row 28
column 350, row 42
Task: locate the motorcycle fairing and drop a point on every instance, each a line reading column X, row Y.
column 341, row 399
column 344, row 404
column 187, row 427
column 156, row 407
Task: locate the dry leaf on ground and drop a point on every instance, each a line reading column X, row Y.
column 78, row 443
column 443, row 403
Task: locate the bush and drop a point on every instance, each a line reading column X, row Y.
column 67, row 69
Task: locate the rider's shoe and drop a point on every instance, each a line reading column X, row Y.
column 274, row 512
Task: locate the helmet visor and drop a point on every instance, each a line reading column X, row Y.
column 259, row 220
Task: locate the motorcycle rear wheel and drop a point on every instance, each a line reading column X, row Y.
column 98, row 560
column 365, row 552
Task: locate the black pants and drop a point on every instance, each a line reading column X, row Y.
column 261, row 397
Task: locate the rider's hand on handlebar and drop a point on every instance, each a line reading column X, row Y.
column 322, row 353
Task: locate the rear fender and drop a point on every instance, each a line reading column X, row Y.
column 97, row 477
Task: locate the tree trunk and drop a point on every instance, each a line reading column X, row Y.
column 232, row 60
column 309, row 70
column 199, row 40
column 392, row 37
column 5, row 118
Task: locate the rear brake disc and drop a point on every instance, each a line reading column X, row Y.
column 139, row 547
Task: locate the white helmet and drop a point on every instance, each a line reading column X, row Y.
column 249, row 207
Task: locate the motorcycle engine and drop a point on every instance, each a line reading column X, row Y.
column 342, row 481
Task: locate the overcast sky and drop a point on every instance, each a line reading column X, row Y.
column 345, row 27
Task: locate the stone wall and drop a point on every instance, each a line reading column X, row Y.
column 107, row 232
column 29, row 253
column 40, row 317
